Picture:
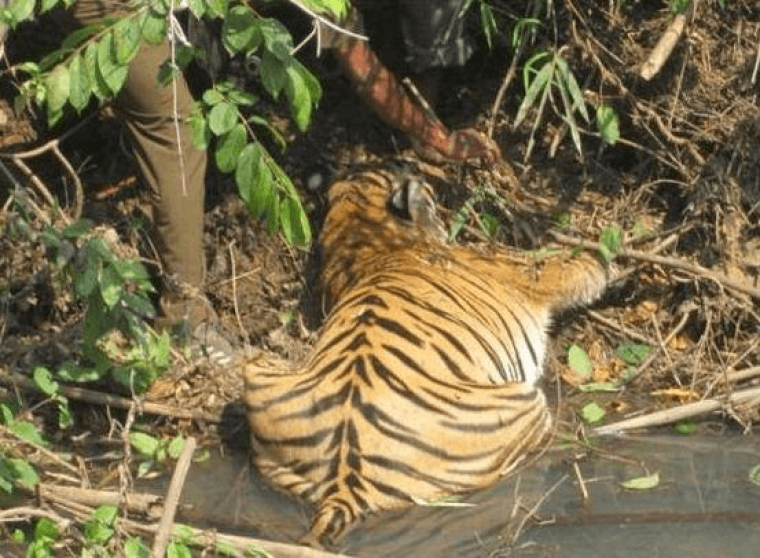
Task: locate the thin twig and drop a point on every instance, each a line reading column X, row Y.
column 172, row 498
column 537, row 505
column 327, row 23
column 234, row 291
column 661, row 347
column 175, row 109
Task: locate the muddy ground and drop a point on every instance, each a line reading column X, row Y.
column 682, row 184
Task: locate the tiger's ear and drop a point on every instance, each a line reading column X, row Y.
column 412, row 200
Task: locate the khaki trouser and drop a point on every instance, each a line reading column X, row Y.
column 147, row 109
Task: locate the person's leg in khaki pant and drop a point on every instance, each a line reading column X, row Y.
column 173, row 169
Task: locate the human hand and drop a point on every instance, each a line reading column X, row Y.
column 461, row 146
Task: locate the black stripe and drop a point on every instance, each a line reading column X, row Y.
column 395, row 383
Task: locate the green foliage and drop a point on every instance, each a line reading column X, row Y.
column 592, row 413
column 754, row 475
column 44, row 537
column 579, row 361
column 488, row 223
column 135, row 548
column 545, row 73
column 155, row 449
column 686, row 427
column 608, row 123
column 116, row 338
column 610, row 243
column 14, row 470
column 91, row 67
column 678, row 6
column 646, row 482
column 43, row 379
column 101, row 526
column 633, row 354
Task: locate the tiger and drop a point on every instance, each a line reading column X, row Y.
column 422, row 382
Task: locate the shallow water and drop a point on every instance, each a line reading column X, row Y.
column 704, row 506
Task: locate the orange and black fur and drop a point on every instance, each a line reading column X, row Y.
column 422, row 382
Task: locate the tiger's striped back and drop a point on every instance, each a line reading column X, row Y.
column 422, row 382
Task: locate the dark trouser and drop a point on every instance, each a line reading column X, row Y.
column 431, row 32
column 147, row 109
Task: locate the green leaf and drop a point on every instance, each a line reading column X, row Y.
column 140, row 305
column 608, row 123
column 294, row 223
column 754, row 474
column 571, row 86
column 242, row 97
column 610, row 242
column 43, row 378
column 18, row 470
column 273, row 74
column 105, row 514
column 98, row 86
column 57, row 85
column 111, row 286
column 175, row 447
column 633, row 354
column 27, row 431
column 114, row 75
column 127, row 34
column 598, row 387
column 240, row 32
column 646, row 482
column 277, row 39
column 298, row 95
column 222, row 118
column 200, row 132
column 65, row 420
column 198, row 8
column 96, row 532
column 217, row 8
column 45, row 528
column 264, row 194
column 336, row 10
column 154, row 27
column 144, row 468
column 212, row 97
column 21, row 10
column 248, row 171
column 135, row 548
column 178, row 550
column 579, row 361
column 79, row 83
column 686, row 427
column 537, row 87
column 144, row 443
column 228, row 148
column 131, row 270
column 592, row 413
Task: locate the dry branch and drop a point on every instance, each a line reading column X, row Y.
column 664, row 47
column 10, row 378
column 172, row 499
column 148, row 505
column 669, row 416
column 665, row 261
